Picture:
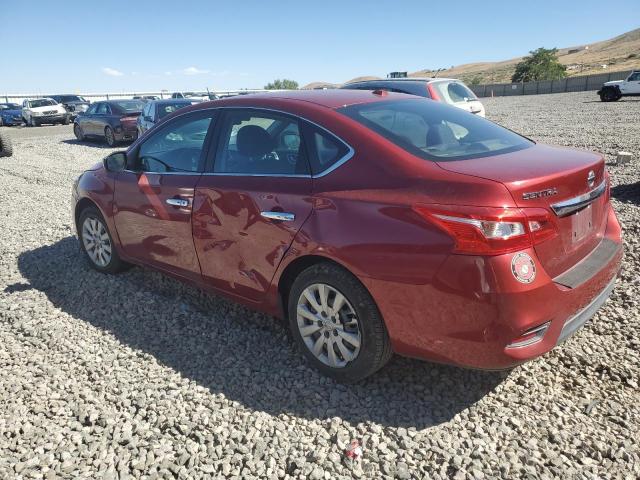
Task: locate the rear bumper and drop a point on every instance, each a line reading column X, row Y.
column 123, row 134
column 473, row 309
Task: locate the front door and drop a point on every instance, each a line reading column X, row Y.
column 632, row 85
column 248, row 209
column 153, row 200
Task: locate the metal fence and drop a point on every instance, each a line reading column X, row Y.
column 19, row 97
column 570, row 84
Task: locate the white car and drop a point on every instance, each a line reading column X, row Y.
column 616, row 89
column 36, row 111
column 447, row 90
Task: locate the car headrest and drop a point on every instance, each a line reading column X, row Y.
column 440, row 134
column 253, row 141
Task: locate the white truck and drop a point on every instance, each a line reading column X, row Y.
column 616, row 89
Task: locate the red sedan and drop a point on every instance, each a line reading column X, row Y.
column 373, row 222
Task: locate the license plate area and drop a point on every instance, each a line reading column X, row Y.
column 581, row 224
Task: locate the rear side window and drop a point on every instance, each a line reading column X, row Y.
column 325, row 151
column 434, row 131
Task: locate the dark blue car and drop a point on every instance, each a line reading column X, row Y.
column 10, row 114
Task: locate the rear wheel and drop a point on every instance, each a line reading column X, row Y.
column 97, row 243
column 110, row 137
column 66, row 121
column 336, row 323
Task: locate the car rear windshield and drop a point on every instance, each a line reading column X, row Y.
column 435, row 131
column 125, row 106
column 453, row 92
column 165, row 109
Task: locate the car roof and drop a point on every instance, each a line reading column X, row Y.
column 407, row 79
column 171, row 100
column 330, row 98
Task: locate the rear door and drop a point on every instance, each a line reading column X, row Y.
column 251, row 204
column 154, row 199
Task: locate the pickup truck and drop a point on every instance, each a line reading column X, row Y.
column 616, row 89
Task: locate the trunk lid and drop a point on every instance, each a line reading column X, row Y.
column 541, row 177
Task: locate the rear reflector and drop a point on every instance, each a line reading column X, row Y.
column 531, row 336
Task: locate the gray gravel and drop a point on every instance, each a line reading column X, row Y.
column 138, row 376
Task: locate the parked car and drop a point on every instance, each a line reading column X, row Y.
column 38, row 111
column 447, row 90
column 373, row 223
column 201, row 96
column 10, row 114
column 156, row 110
column 111, row 120
column 616, row 89
column 73, row 104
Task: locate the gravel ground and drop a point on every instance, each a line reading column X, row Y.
column 137, row 376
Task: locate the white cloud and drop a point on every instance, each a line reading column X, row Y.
column 194, row 71
column 168, row 73
column 112, row 72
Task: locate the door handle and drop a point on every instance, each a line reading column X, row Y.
column 279, row 216
column 178, row 202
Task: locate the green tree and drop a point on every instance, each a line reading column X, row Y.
column 283, row 84
column 477, row 80
column 541, row 64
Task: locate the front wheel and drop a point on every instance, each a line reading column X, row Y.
column 66, row 121
column 110, row 137
column 97, row 243
column 336, row 323
column 32, row 122
column 609, row 95
column 77, row 131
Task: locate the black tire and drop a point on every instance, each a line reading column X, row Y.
column 110, row 137
column 66, row 121
column 115, row 264
column 609, row 95
column 375, row 347
column 77, row 131
column 6, row 149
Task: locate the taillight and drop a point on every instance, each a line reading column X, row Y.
column 432, row 92
column 128, row 119
column 490, row 231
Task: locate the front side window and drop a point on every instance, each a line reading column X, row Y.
column 177, row 147
column 93, row 108
column 434, row 131
column 261, row 143
column 634, row 77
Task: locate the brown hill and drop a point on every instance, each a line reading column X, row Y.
column 618, row 54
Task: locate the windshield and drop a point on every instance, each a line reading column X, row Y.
column 70, row 98
column 9, row 106
column 165, row 109
column 128, row 105
column 435, row 131
column 43, row 102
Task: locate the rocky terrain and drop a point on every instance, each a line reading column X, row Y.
column 138, row 376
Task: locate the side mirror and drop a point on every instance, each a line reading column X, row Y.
column 116, row 162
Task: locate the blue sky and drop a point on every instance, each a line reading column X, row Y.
column 118, row 45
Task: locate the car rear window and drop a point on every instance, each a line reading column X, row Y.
column 434, row 131
column 453, row 92
column 127, row 106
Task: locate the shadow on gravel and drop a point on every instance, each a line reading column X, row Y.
column 97, row 143
column 242, row 354
column 627, row 193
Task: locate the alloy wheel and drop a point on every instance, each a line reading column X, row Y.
column 108, row 133
column 328, row 325
column 96, row 241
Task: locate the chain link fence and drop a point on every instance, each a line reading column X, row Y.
column 570, row 84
